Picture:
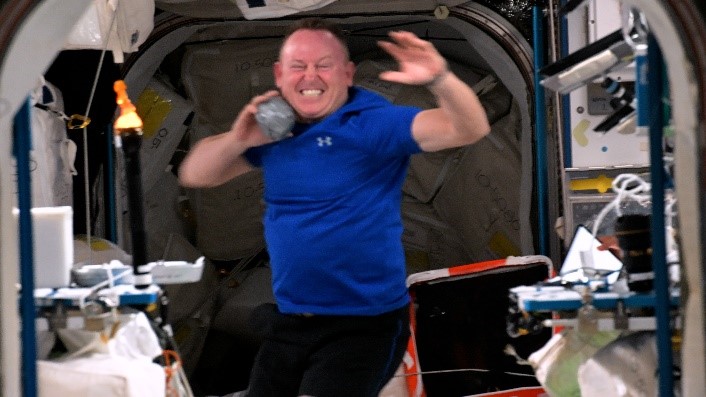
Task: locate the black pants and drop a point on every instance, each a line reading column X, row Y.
column 327, row 356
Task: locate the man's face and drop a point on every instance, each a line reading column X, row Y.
column 314, row 73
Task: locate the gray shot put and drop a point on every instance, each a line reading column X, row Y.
column 275, row 118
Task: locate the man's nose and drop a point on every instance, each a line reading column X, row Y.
column 310, row 72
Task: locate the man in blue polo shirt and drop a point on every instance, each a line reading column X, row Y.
column 333, row 193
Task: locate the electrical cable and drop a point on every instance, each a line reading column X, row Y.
column 621, row 185
column 86, row 181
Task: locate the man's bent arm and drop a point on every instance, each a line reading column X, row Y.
column 217, row 159
column 213, row 161
column 459, row 120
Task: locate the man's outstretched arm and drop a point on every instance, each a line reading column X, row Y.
column 460, row 118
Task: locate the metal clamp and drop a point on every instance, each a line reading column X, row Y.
column 620, row 321
column 587, row 320
column 73, row 122
column 77, row 122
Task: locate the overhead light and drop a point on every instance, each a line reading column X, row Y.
column 615, row 118
column 601, row 57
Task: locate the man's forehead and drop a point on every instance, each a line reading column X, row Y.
column 321, row 40
column 304, row 33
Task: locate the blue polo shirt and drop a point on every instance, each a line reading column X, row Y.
column 332, row 220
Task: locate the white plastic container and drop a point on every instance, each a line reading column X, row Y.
column 52, row 231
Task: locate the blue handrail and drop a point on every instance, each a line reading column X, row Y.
column 654, row 111
column 22, row 143
column 540, row 133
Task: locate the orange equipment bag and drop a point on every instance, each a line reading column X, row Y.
column 459, row 325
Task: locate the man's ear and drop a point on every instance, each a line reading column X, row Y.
column 277, row 70
column 350, row 72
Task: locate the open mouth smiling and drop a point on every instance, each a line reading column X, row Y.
column 311, row 92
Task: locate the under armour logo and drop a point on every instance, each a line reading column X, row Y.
column 324, row 141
